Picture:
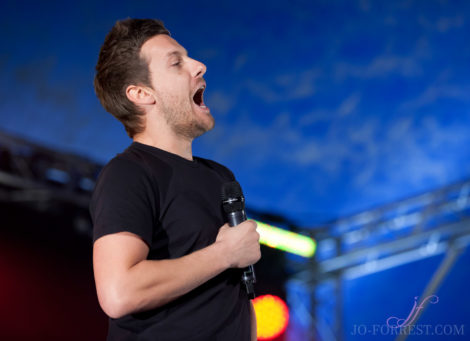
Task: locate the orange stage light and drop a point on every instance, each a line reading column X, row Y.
column 272, row 316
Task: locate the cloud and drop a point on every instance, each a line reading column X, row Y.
column 285, row 87
column 414, row 153
column 220, row 102
column 349, row 105
column 380, row 67
column 376, row 160
column 365, row 5
column 322, row 115
column 443, row 24
column 447, row 23
column 240, row 61
column 35, row 77
column 435, row 92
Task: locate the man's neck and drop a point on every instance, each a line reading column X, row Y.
column 178, row 146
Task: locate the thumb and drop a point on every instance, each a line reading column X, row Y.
column 224, row 226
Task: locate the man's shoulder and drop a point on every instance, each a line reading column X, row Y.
column 123, row 163
column 124, row 168
column 219, row 168
column 136, row 160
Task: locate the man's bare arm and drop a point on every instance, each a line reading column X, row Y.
column 127, row 282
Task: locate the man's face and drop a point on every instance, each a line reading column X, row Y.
column 178, row 85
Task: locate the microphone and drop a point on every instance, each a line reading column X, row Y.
column 233, row 203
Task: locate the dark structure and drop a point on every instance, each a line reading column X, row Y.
column 47, row 288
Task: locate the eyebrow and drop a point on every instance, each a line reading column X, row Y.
column 176, row 53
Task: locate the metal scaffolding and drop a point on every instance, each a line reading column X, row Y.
column 45, row 179
column 436, row 222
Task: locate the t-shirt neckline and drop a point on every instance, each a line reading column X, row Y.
column 163, row 153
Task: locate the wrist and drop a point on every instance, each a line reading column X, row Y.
column 221, row 255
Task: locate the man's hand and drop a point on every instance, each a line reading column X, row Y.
column 241, row 243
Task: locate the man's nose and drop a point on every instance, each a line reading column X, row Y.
column 199, row 69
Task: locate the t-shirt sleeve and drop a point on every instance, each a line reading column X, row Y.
column 123, row 200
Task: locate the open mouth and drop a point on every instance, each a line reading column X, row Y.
column 198, row 97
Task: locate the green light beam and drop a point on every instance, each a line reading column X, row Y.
column 284, row 240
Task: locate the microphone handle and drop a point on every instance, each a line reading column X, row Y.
column 248, row 277
column 236, row 217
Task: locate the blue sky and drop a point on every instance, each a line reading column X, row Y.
column 323, row 108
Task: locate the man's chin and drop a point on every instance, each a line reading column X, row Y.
column 200, row 129
column 195, row 128
column 211, row 122
column 206, row 123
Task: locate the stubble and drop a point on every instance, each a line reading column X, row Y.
column 182, row 120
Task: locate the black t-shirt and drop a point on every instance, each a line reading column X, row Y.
column 174, row 205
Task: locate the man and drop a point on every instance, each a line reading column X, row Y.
column 166, row 266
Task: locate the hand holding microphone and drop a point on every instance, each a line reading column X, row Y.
column 242, row 244
column 247, row 245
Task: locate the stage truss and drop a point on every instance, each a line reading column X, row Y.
column 430, row 224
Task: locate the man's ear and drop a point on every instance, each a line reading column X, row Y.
column 139, row 95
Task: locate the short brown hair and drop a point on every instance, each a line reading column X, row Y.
column 120, row 65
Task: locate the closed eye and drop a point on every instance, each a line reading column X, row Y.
column 177, row 61
column 175, row 58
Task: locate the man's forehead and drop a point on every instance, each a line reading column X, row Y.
column 163, row 46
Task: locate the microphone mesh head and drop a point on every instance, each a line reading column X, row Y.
column 231, row 190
